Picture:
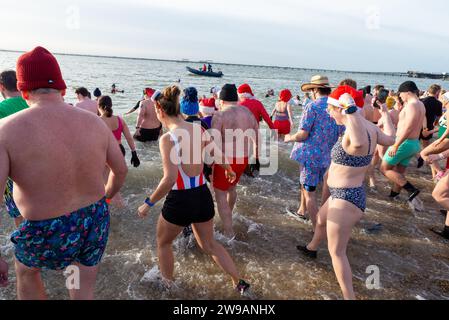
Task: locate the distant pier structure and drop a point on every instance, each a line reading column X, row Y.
column 424, row 75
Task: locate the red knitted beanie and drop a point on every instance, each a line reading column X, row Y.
column 38, row 69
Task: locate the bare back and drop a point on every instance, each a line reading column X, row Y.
column 57, row 156
column 88, row 105
column 191, row 147
column 237, row 125
column 148, row 115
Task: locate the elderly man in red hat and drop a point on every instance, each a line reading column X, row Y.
column 56, row 155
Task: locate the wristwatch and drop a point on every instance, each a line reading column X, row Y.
column 149, row 203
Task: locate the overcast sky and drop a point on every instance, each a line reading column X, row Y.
column 382, row 35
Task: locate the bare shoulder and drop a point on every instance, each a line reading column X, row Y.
column 165, row 138
column 146, row 103
column 217, row 119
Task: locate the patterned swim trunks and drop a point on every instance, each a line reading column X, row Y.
column 9, row 201
column 311, row 177
column 55, row 244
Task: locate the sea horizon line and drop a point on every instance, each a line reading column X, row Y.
column 394, row 73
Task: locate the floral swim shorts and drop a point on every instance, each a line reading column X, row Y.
column 9, row 201
column 77, row 237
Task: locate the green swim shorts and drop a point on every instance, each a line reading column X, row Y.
column 406, row 151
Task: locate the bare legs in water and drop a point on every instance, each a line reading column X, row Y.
column 204, row 235
column 336, row 219
column 225, row 203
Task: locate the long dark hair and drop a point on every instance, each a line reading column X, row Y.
column 105, row 103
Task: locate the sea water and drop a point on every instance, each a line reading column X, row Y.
column 411, row 261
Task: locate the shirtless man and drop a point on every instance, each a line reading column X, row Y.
column 85, row 102
column 368, row 108
column 148, row 126
column 230, row 118
column 397, row 157
column 61, row 192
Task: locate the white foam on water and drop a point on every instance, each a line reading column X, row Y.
column 418, row 297
column 416, row 205
column 152, row 275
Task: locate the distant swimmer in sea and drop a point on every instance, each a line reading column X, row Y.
column 188, row 199
column 61, row 193
column 114, row 89
column 97, row 94
column 118, row 127
column 351, row 157
column 282, row 113
column 84, row 101
column 270, row 93
column 148, row 127
column 12, row 103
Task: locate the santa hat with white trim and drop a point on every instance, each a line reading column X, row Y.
column 349, row 92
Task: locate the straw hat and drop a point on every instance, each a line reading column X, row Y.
column 317, row 81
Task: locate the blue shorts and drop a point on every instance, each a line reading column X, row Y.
column 55, row 244
column 9, row 201
column 311, row 177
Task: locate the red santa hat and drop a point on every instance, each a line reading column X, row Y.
column 357, row 96
column 207, row 106
column 285, row 95
column 245, row 88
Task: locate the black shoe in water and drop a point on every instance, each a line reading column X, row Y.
column 308, row 253
column 420, row 162
column 242, row 287
column 442, row 234
column 413, row 195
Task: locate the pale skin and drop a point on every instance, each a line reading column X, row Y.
column 441, row 191
column 6, row 95
column 87, row 104
column 147, row 118
column 439, row 145
column 112, row 123
column 166, row 231
column 413, row 112
column 337, row 217
column 368, row 108
column 233, row 117
column 381, row 150
column 52, row 124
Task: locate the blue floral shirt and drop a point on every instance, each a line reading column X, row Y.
column 315, row 152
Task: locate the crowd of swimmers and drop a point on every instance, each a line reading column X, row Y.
column 345, row 136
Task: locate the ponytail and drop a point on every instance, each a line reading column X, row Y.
column 105, row 103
